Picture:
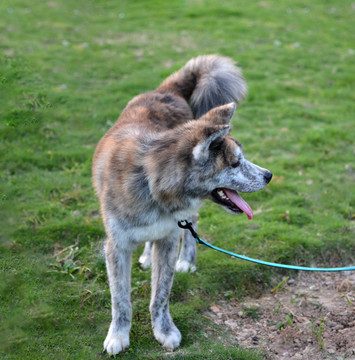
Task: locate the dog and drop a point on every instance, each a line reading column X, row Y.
column 169, row 150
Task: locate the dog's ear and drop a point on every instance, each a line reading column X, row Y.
column 221, row 115
column 214, row 138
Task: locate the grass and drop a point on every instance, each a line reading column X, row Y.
column 67, row 71
column 317, row 330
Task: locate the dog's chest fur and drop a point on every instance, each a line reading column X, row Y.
column 151, row 226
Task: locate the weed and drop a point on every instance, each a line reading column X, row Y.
column 228, row 294
column 280, row 325
column 317, row 330
column 66, row 262
column 348, row 301
column 289, row 319
column 287, row 322
column 278, row 308
column 279, row 285
column 252, row 311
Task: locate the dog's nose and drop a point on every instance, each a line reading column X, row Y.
column 268, row 176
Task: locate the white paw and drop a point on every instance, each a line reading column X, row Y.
column 145, row 261
column 184, row 266
column 115, row 342
column 169, row 341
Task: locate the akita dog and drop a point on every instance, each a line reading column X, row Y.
column 169, row 150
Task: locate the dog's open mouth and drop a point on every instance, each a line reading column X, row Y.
column 233, row 201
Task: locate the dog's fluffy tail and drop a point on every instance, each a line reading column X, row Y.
column 207, row 81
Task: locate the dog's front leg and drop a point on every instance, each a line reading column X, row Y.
column 118, row 263
column 163, row 265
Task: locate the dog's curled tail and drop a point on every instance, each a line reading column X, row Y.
column 207, row 81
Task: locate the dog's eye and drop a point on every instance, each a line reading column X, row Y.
column 235, row 164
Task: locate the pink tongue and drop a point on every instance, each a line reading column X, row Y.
column 238, row 200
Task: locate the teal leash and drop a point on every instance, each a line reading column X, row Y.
column 188, row 226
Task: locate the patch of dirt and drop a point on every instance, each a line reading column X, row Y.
column 309, row 317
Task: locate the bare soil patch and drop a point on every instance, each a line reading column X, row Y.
column 309, row 317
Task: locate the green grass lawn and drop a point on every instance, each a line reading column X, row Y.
column 67, row 70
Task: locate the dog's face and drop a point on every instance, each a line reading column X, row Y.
column 219, row 168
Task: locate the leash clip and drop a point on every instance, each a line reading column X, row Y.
column 184, row 224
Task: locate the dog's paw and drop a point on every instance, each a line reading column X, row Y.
column 145, row 261
column 115, row 342
column 171, row 340
column 184, row 266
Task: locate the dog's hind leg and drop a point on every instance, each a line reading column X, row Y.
column 164, row 256
column 187, row 256
column 146, row 258
column 118, row 263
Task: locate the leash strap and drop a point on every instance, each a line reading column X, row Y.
column 184, row 224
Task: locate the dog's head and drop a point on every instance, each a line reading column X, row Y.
column 201, row 160
column 219, row 169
